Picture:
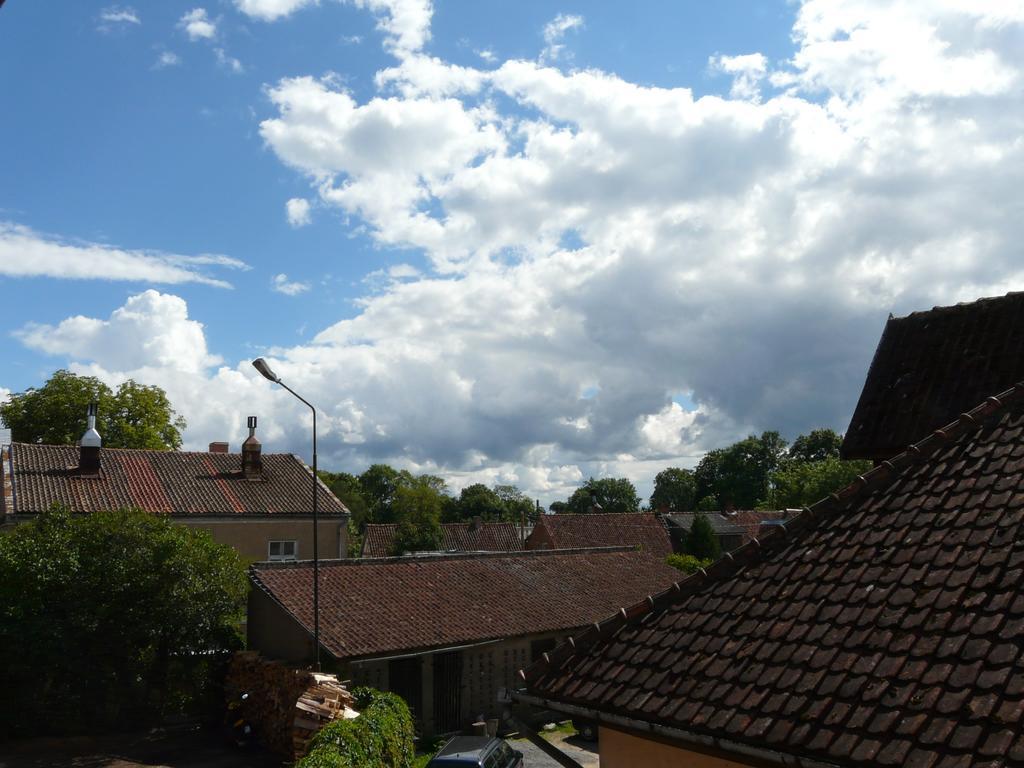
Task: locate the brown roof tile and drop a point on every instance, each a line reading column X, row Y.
column 375, row 606
column 166, row 482
column 930, row 367
column 854, row 587
column 632, row 529
column 378, row 541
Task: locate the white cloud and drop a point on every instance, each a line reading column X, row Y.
column 405, row 23
column 27, row 253
column 604, row 245
column 167, row 59
column 487, row 55
column 554, row 33
column 297, row 211
column 271, row 10
column 228, row 62
column 115, row 17
column 748, row 71
column 198, row 25
column 282, row 284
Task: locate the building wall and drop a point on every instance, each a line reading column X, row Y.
column 250, row 537
column 274, row 633
column 621, row 749
column 485, row 669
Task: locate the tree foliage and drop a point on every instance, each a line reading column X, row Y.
column 113, row 619
column 817, row 445
column 674, row 489
column 381, row 737
column 701, row 541
column 800, row 484
column 607, row 494
column 417, row 510
column 688, row 564
column 135, row 416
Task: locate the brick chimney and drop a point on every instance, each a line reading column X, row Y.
column 252, row 462
column 89, row 446
column 219, row 447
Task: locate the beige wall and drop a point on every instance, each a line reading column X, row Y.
column 250, row 536
column 274, row 633
column 620, row 749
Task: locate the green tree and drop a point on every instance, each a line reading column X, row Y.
column 380, row 484
column 113, row 619
column 688, row 564
column 477, row 500
column 383, row 736
column 701, row 541
column 417, row 510
column 817, row 445
column 674, row 489
column 707, row 479
column 350, row 491
column 800, row 484
column 611, row 494
column 517, row 504
column 135, row 416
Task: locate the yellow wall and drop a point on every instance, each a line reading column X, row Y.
column 620, row 749
column 250, row 537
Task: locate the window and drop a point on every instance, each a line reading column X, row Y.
column 284, row 550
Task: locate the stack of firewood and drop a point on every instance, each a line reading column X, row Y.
column 285, row 707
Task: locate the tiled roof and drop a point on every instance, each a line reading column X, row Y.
column 378, row 541
column 746, row 522
column 168, row 482
column 883, row 625
column 930, row 367
column 375, row 606
column 634, row 529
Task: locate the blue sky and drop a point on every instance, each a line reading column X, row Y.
column 529, row 241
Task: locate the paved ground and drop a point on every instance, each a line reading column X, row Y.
column 583, row 752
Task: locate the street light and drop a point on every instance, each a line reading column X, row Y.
column 261, row 365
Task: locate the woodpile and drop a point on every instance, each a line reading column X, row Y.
column 285, row 707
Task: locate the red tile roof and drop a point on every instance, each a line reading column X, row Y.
column 883, row 625
column 633, row 529
column 376, row 606
column 930, row 367
column 378, row 540
column 167, row 482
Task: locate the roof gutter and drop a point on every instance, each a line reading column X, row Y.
column 698, row 741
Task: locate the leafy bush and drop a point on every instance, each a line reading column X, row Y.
column 687, row 563
column 381, row 737
column 701, row 541
column 113, row 619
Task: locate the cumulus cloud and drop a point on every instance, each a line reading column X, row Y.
column 167, row 59
column 602, row 246
column 27, row 253
column 271, row 10
column 229, row 63
column 198, row 25
column 297, row 211
column 118, row 17
column 554, row 33
column 282, row 284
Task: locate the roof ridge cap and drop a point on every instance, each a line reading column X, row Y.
column 801, row 524
column 434, row 557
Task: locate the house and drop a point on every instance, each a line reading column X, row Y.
column 732, row 528
column 476, row 536
column 884, row 625
column 260, row 504
column 634, row 529
column 444, row 631
column 932, row 366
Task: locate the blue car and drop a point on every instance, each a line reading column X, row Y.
column 478, row 751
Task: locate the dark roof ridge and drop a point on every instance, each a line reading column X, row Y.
column 959, row 304
column 732, row 562
column 549, row 515
column 433, row 557
column 155, row 450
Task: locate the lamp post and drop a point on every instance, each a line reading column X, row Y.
column 261, row 365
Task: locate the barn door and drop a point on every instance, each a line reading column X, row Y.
column 405, row 678
column 448, row 692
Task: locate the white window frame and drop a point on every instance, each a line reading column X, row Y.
column 281, row 556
